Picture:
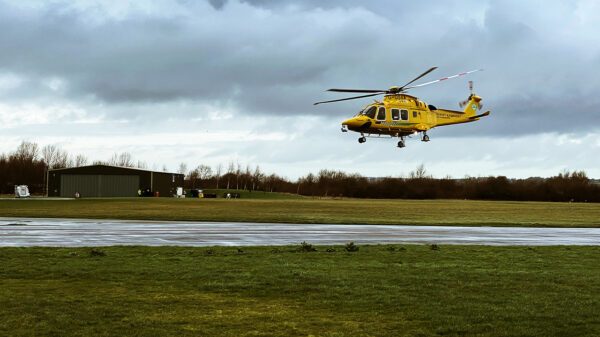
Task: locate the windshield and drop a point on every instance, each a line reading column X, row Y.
column 369, row 112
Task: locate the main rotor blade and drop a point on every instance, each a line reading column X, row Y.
column 345, row 99
column 416, row 78
column 355, row 90
column 442, row 79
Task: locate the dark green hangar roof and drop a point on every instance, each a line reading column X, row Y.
column 106, row 169
column 111, row 181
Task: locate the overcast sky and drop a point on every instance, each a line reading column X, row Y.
column 208, row 82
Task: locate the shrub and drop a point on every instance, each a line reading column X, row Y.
column 209, row 252
column 306, row 247
column 351, row 247
column 97, row 253
column 434, row 247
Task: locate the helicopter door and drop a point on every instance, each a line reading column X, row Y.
column 404, row 114
column 381, row 114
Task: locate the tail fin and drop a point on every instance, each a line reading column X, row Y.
column 473, row 105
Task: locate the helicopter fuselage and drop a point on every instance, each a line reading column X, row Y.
column 401, row 115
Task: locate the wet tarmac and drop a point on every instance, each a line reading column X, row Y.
column 85, row 232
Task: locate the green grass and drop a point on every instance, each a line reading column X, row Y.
column 279, row 291
column 290, row 209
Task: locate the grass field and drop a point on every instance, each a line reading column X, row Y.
column 266, row 291
column 284, row 208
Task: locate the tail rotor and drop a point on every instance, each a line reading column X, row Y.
column 465, row 102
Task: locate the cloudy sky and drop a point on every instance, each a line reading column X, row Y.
column 208, row 82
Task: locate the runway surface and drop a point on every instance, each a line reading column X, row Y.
column 84, row 232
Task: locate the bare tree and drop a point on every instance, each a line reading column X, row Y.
column 271, row 179
column 49, row 155
column 418, row 173
column 114, row 160
column 55, row 158
column 80, row 160
column 141, row 165
column 230, row 170
column 125, row 160
column 238, row 171
column 193, row 177
column 204, row 172
column 256, row 177
column 218, row 173
column 198, row 175
column 165, row 169
column 26, row 152
column 247, row 176
column 182, row 168
column 62, row 160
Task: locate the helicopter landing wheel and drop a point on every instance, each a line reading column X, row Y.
column 362, row 139
column 401, row 144
column 425, row 138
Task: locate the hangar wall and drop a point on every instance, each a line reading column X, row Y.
column 110, row 181
column 97, row 185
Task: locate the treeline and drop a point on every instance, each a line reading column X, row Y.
column 28, row 165
column 235, row 176
column 566, row 186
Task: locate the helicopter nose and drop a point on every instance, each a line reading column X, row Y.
column 351, row 123
column 355, row 123
column 348, row 122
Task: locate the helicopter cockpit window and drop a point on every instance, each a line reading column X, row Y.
column 395, row 114
column 381, row 114
column 370, row 112
column 404, row 114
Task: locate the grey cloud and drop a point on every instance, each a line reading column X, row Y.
column 217, row 4
column 277, row 57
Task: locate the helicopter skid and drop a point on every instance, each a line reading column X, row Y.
column 386, row 134
column 401, row 135
column 380, row 135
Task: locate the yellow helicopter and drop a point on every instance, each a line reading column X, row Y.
column 401, row 115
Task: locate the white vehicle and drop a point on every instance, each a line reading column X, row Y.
column 22, row 191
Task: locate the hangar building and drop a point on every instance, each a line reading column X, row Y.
column 110, row 181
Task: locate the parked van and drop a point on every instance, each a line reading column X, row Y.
column 22, row 191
